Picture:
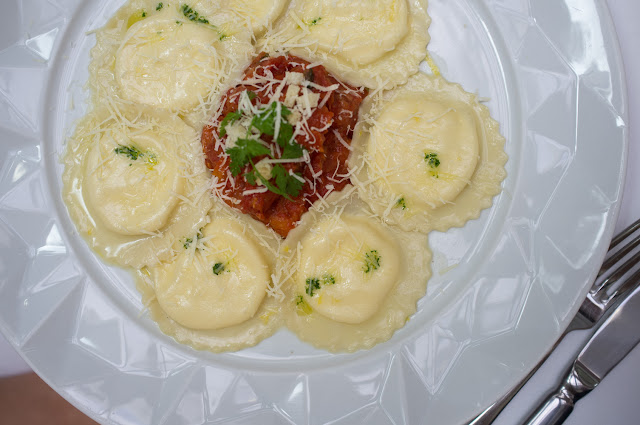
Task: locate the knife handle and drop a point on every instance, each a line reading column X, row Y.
column 559, row 405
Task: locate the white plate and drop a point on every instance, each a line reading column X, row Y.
column 553, row 74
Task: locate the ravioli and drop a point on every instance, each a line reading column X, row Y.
column 372, row 44
column 132, row 181
column 256, row 15
column 218, row 282
column 427, row 155
column 213, row 294
column 355, row 280
column 167, row 55
column 126, row 185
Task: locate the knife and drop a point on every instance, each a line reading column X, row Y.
column 613, row 340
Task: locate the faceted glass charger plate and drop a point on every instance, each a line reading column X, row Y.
column 504, row 286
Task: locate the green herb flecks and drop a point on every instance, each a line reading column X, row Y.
column 229, row 119
column 192, row 15
column 266, row 122
column 371, row 261
column 433, row 162
column 314, row 21
column 134, row 154
column 243, row 152
column 188, row 241
column 286, row 184
column 302, row 307
column 131, row 152
column 401, row 203
column 159, row 6
column 218, row 268
column 432, row 159
column 313, row 284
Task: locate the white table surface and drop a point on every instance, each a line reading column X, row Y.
column 615, row 401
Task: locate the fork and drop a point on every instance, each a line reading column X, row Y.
column 606, row 291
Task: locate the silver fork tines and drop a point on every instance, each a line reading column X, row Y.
column 612, row 280
column 619, row 274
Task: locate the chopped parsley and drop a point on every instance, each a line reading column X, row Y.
column 401, row 203
column 243, row 152
column 432, row 159
column 314, row 21
column 218, row 268
column 188, row 241
column 285, row 183
column 434, row 162
column 131, row 152
column 192, row 15
column 313, row 284
column 134, row 153
column 371, row 261
column 302, row 307
column 265, row 121
column 229, row 119
column 159, row 6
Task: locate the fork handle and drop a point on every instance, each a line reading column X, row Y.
column 559, row 405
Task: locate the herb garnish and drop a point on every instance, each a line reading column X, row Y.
column 188, row 241
column 371, row 261
column 402, row 203
column 432, row 159
column 265, row 122
column 229, row 119
column 159, row 6
column 130, row 151
column 218, row 268
column 302, row 307
column 192, row 15
column 312, row 284
column 434, row 162
column 315, row 21
column 134, row 153
column 243, row 152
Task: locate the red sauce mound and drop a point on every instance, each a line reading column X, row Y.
column 325, row 133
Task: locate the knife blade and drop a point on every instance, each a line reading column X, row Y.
column 613, row 340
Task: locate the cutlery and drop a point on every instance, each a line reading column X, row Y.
column 606, row 292
column 613, row 340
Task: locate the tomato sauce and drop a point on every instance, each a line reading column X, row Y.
column 327, row 135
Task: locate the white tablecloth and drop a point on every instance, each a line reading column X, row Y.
column 615, row 401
